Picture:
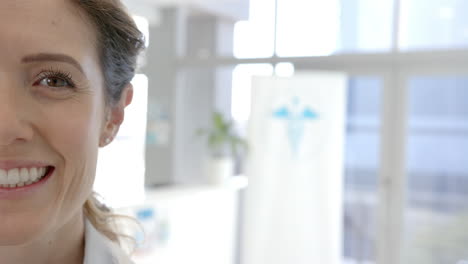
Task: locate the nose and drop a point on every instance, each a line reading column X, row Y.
column 14, row 127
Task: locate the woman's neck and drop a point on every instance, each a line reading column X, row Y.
column 65, row 245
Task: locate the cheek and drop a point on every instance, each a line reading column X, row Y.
column 75, row 129
column 73, row 133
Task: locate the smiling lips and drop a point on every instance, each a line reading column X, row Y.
column 19, row 177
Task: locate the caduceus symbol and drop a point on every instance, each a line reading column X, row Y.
column 295, row 118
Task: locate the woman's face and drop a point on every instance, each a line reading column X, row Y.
column 52, row 116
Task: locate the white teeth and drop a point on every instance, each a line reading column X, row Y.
column 33, row 174
column 19, row 177
column 24, row 175
column 41, row 172
column 13, row 177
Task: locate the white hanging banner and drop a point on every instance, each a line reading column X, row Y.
column 295, row 169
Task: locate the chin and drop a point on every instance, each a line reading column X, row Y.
column 17, row 232
column 18, row 236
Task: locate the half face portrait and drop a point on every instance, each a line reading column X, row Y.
column 54, row 116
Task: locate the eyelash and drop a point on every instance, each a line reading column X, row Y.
column 56, row 73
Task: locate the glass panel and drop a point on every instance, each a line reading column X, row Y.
column 242, row 89
column 128, row 151
column 436, row 214
column 361, row 163
column 255, row 38
column 284, row 69
column 433, row 24
column 317, row 27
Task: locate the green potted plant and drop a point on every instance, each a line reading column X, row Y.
column 224, row 145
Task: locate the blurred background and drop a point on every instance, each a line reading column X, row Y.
column 381, row 177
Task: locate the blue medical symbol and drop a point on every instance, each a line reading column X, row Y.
column 295, row 116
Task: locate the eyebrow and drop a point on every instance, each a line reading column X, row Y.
column 40, row 57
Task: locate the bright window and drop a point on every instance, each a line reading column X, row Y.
column 433, row 24
column 121, row 165
column 437, row 164
column 242, row 86
column 255, row 38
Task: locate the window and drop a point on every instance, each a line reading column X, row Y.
column 255, row 38
column 437, row 166
column 433, row 24
column 361, row 168
column 241, row 88
column 405, row 172
column 122, row 163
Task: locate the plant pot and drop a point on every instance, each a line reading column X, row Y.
column 218, row 170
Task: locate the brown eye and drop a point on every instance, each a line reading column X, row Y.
column 55, row 82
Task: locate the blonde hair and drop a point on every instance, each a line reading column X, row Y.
column 110, row 224
column 101, row 217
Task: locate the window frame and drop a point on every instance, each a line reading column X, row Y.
column 394, row 67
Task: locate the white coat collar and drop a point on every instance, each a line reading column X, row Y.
column 100, row 250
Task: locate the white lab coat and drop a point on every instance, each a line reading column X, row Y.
column 100, row 250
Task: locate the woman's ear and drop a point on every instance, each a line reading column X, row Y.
column 115, row 115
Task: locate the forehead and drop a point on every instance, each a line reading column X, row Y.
column 32, row 26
